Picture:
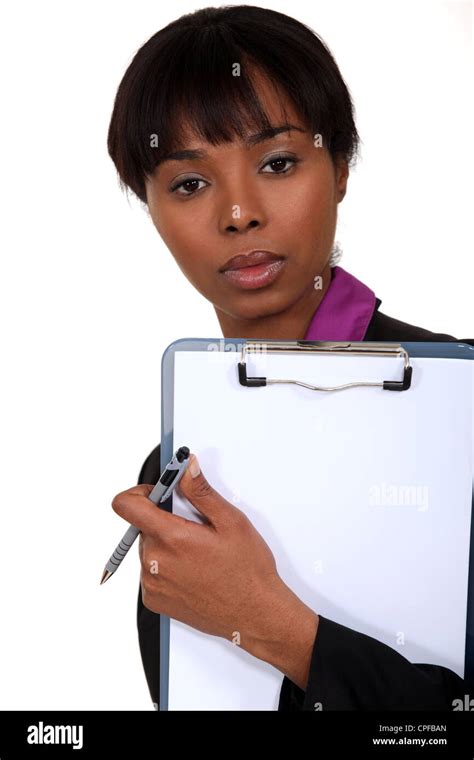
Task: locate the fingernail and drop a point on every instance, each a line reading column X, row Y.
column 194, row 468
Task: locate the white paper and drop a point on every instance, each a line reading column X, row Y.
column 363, row 495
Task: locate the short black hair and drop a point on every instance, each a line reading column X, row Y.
column 186, row 71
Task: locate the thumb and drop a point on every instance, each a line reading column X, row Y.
column 194, row 486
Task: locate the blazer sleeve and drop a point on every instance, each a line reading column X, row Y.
column 352, row 671
column 148, row 622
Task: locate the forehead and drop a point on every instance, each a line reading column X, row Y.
column 274, row 100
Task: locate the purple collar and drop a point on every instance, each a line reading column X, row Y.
column 345, row 311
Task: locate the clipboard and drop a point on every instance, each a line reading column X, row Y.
column 379, row 438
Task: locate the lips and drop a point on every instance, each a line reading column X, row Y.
column 250, row 259
column 255, row 277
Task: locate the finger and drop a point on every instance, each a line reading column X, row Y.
column 137, row 509
column 203, row 496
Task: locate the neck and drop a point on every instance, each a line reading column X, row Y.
column 290, row 324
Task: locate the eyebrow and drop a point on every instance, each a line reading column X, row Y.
column 266, row 134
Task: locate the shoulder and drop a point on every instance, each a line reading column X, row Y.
column 382, row 327
column 151, row 467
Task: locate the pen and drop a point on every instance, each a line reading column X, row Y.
column 168, row 481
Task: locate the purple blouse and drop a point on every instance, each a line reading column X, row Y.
column 345, row 311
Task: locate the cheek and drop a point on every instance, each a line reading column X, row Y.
column 310, row 204
column 184, row 234
column 194, row 254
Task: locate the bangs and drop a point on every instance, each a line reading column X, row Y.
column 197, row 77
column 202, row 97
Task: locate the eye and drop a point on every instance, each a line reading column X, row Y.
column 190, row 185
column 185, row 183
column 278, row 161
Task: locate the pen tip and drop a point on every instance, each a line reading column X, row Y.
column 106, row 575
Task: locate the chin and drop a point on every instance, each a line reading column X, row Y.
column 257, row 304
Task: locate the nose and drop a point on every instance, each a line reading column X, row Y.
column 241, row 226
column 242, row 209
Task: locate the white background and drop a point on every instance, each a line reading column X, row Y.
column 90, row 296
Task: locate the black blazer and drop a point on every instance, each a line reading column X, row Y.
column 349, row 670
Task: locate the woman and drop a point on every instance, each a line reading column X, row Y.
column 234, row 126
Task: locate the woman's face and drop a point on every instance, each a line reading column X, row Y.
column 279, row 194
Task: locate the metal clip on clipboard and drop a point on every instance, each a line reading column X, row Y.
column 326, row 347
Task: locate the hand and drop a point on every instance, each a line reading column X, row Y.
column 219, row 577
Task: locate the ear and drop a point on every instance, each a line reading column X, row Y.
column 341, row 169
